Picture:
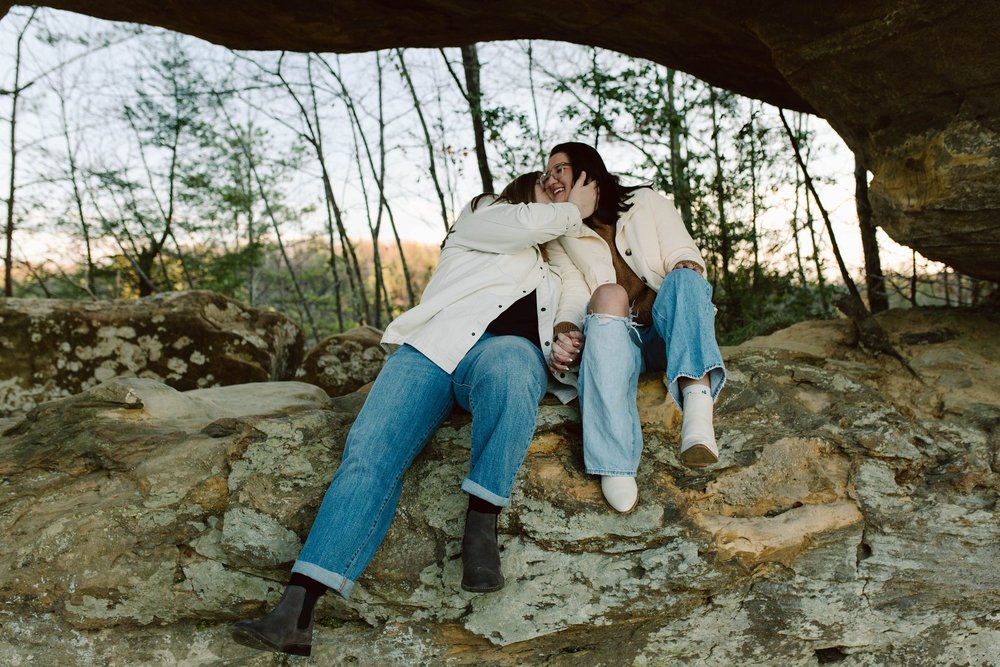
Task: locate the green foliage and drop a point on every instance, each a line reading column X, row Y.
column 768, row 302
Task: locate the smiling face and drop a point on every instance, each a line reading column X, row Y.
column 558, row 177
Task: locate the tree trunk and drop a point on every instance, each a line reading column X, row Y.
column 725, row 233
column 878, row 300
column 410, row 295
column 474, row 96
column 754, row 198
column 405, row 73
column 870, row 333
column 678, row 162
column 15, row 94
column 796, row 228
column 534, row 103
column 807, row 182
column 91, row 285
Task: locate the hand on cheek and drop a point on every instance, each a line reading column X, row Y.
column 542, row 195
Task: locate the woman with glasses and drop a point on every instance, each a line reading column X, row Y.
column 647, row 306
column 480, row 338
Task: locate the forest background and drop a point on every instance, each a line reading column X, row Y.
column 137, row 160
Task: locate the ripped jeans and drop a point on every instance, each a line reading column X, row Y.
column 681, row 341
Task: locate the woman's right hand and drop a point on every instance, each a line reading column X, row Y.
column 584, row 195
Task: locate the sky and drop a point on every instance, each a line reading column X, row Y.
column 417, row 213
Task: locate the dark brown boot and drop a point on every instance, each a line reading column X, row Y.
column 284, row 630
column 481, row 553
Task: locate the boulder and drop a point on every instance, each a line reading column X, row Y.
column 852, row 519
column 344, row 362
column 53, row 348
column 911, row 85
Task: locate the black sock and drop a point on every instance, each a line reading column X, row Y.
column 314, row 590
column 477, row 504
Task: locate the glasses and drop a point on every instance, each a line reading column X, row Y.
column 556, row 172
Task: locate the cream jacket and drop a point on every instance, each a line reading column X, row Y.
column 651, row 238
column 491, row 258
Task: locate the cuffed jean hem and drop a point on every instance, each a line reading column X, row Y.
column 716, row 378
column 474, row 489
column 335, row 582
column 611, row 473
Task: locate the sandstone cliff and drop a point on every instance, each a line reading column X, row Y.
column 853, row 519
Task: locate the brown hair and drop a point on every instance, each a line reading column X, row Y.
column 519, row 191
column 614, row 196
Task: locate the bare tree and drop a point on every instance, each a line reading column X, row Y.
column 405, row 73
column 15, row 92
column 473, row 94
column 726, row 241
column 817, row 259
column 77, row 199
column 678, row 162
column 534, row 100
column 878, row 300
column 378, row 172
column 311, row 131
column 269, row 209
column 870, row 332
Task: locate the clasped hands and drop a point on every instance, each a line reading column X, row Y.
column 566, row 350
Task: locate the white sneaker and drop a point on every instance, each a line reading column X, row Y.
column 698, row 448
column 620, row 492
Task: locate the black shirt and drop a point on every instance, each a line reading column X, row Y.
column 521, row 319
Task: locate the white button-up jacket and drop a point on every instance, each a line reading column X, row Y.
column 651, row 238
column 490, row 259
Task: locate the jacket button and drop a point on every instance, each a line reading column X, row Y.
column 628, row 251
column 543, row 310
column 546, row 343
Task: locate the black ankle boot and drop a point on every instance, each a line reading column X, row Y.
column 481, row 553
column 281, row 630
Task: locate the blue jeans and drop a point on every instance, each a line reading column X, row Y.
column 500, row 381
column 681, row 341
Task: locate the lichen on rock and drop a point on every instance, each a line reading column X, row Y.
column 865, row 531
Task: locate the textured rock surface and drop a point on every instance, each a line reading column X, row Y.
column 52, row 348
column 345, row 362
column 853, row 519
column 911, row 85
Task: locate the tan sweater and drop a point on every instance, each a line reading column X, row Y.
column 640, row 295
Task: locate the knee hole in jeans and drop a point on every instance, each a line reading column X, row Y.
column 609, row 299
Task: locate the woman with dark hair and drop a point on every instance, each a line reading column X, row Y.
column 480, row 338
column 647, row 306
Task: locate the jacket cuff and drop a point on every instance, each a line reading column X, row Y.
column 564, row 327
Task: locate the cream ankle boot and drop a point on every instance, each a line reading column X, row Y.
column 698, row 448
column 620, row 492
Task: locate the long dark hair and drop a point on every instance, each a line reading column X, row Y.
column 613, row 196
column 519, row 191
